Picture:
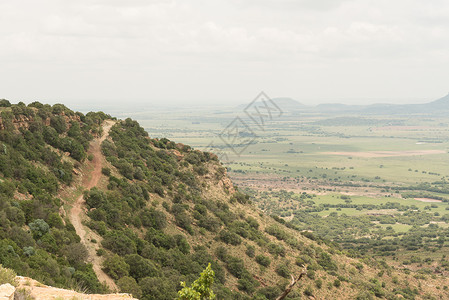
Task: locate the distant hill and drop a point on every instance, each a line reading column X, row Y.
column 440, row 103
column 284, row 103
column 288, row 103
column 440, row 106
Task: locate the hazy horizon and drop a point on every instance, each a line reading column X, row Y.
column 136, row 105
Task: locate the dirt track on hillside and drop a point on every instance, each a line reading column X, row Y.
column 78, row 211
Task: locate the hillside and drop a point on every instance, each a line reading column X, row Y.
column 86, row 197
column 442, row 103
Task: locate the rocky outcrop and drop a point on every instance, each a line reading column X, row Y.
column 227, row 183
column 7, row 292
column 43, row 292
column 22, row 121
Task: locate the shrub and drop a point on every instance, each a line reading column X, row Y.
column 140, row 267
column 183, row 220
column 240, row 198
column 283, row 270
column 5, row 103
column 116, row 267
column 153, row 218
column 337, row 283
column 250, row 250
column 119, row 243
column 263, row 260
column 308, row 291
column 276, row 249
column 270, row 292
column 326, row 262
column 58, row 123
column 106, row 171
column 7, row 276
column 129, row 285
column 247, row 284
column 221, row 253
column 158, row 288
column 230, row 237
column 39, row 227
column 235, row 266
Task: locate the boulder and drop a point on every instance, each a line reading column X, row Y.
column 7, row 292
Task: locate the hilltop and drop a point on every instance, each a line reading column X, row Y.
column 441, row 103
column 91, row 203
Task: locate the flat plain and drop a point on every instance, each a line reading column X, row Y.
column 386, row 174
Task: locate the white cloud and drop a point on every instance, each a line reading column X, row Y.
column 240, row 46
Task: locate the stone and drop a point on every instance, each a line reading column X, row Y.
column 7, row 292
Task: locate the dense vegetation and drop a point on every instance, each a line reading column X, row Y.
column 165, row 212
column 40, row 147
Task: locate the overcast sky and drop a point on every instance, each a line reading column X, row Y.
column 223, row 52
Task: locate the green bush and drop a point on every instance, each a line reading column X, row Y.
column 129, row 285
column 337, row 283
column 250, row 250
column 283, row 270
column 7, row 276
column 5, row 103
column 119, row 243
column 308, row 291
column 39, row 227
column 106, row 171
column 263, row 260
column 116, row 267
column 221, row 253
column 140, row 267
column 235, row 266
column 247, row 284
column 230, row 237
column 326, row 262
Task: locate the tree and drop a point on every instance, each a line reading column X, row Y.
column 39, row 227
column 200, row 288
column 5, row 103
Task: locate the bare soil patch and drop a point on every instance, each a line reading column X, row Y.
column 403, row 128
column 78, row 210
column 427, row 200
column 386, row 153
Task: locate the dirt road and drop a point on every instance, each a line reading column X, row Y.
column 77, row 212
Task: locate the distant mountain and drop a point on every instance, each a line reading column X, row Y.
column 336, row 107
column 284, row 103
column 440, row 103
column 440, row 106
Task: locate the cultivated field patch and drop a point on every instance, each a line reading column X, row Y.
column 386, row 153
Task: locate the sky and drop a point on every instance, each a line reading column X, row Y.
column 214, row 52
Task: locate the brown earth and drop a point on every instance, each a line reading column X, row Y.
column 40, row 291
column 78, row 211
column 427, row 200
column 386, row 153
column 404, row 128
